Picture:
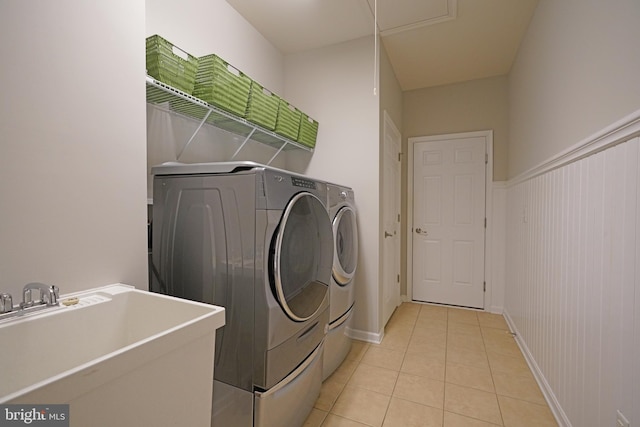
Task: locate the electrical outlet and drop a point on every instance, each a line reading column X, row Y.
column 621, row 420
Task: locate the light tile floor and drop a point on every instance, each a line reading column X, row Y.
column 436, row 367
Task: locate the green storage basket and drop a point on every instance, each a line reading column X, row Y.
column 170, row 64
column 308, row 131
column 220, row 84
column 263, row 106
column 288, row 123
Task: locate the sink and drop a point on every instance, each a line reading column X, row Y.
column 116, row 355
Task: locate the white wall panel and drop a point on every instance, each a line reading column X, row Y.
column 572, row 282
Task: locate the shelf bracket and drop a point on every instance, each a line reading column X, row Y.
column 284, row 144
column 243, row 143
column 194, row 134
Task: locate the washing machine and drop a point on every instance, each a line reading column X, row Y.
column 342, row 210
column 257, row 241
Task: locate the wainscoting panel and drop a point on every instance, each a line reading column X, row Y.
column 572, row 282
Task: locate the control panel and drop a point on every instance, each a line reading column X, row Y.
column 304, row 183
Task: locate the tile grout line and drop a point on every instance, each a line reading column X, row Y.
column 490, row 371
column 343, row 388
column 358, row 361
column 404, row 355
column 495, row 389
column 446, row 355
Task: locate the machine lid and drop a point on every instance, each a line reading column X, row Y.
column 301, row 257
column 177, row 168
column 345, row 237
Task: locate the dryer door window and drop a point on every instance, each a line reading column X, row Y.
column 345, row 236
column 302, row 257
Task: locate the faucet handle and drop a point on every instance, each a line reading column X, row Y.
column 49, row 295
column 6, row 303
column 53, row 294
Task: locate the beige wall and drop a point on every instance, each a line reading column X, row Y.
column 203, row 27
column 72, row 150
column 335, row 85
column 575, row 73
column 189, row 25
column 463, row 107
column 390, row 92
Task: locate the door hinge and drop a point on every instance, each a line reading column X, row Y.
column 398, row 217
column 398, row 278
column 485, row 222
column 484, row 286
column 399, row 155
column 486, row 158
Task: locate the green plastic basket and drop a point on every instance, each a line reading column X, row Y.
column 220, row 84
column 308, row 131
column 170, row 64
column 288, row 123
column 263, row 106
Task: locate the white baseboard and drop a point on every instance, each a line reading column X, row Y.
column 356, row 334
column 550, row 397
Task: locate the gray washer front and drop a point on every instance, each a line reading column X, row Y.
column 257, row 241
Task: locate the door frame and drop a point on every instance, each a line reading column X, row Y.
column 488, row 135
column 389, row 125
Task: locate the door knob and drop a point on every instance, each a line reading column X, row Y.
column 421, row 231
column 387, row 234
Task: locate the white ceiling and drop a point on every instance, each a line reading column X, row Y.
column 429, row 42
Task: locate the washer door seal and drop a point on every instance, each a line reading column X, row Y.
column 302, row 257
column 345, row 238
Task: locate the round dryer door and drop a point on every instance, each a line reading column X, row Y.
column 302, row 257
column 345, row 237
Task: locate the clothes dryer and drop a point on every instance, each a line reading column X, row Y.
column 342, row 210
column 257, row 241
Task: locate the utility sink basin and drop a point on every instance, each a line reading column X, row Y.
column 117, row 356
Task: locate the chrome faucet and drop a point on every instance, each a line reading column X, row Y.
column 48, row 294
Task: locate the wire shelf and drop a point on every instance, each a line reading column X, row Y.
column 183, row 104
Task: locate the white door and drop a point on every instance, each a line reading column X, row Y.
column 390, row 219
column 448, row 233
